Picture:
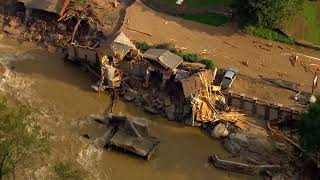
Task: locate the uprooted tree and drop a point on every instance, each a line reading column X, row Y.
column 271, row 14
column 309, row 127
column 20, row 140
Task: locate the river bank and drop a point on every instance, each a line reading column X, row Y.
column 61, row 93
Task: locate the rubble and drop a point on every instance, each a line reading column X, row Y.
column 241, row 167
column 220, row 131
column 240, row 139
column 128, row 133
column 231, row 146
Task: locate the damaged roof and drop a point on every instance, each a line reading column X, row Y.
column 119, row 44
column 54, row 6
column 193, row 85
column 164, row 57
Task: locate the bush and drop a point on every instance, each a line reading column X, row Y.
column 209, row 63
column 80, row 2
column 271, row 14
column 309, row 127
column 189, row 57
column 65, row 171
column 267, row 34
column 143, row 46
column 210, row 19
column 21, row 139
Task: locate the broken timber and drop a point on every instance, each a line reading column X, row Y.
column 240, row 167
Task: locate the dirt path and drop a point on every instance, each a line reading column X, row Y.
column 227, row 45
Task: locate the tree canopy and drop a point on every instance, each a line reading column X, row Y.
column 20, row 139
column 271, row 14
column 309, row 127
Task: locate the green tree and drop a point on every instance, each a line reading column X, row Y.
column 271, row 14
column 309, row 127
column 20, row 140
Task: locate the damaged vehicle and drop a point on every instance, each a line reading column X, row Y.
column 130, row 134
column 228, row 78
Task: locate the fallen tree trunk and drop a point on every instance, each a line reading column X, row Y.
column 240, row 167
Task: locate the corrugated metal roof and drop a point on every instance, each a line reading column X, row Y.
column 193, row 85
column 164, row 57
column 117, row 44
column 54, row 6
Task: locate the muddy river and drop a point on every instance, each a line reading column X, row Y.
column 60, row 92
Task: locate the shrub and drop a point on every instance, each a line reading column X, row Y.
column 209, row 63
column 80, row 2
column 267, row 34
column 143, row 46
column 271, row 14
column 189, row 57
column 309, row 127
column 20, row 140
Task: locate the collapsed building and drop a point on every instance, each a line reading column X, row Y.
column 153, row 80
column 52, row 6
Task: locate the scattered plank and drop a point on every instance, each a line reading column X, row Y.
column 240, row 167
column 148, row 34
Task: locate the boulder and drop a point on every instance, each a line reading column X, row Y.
column 220, row 130
column 170, row 112
column 231, row 146
column 240, row 139
column 151, row 110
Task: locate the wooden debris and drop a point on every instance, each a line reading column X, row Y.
column 148, row 34
column 240, row 167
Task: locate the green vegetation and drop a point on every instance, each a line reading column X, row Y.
column 21, row 139
column 311, row 14
column 143, row 46
column 264, row 17
column 310, row 127
column 189, row 57
column 65, row 171
column 269, row 14
column 80, row 2
column 268, row 34
column 195, row 58
column 209, row 63
column 210, row 19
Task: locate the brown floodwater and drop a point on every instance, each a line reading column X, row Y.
column 62, row 91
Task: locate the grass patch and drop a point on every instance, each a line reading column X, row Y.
column 268, row 34
column 80, row 2
column 65, row 171
column 311, row 14
column 210, row 19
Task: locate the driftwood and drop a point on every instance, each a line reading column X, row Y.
column 148, row 34
column 75, row 29
column 240, row 167
column 293, row 144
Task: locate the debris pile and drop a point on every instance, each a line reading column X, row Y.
column 129, row 134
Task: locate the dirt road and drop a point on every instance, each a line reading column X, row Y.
column 228, row 46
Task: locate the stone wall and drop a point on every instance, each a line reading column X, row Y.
column 256, row 107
